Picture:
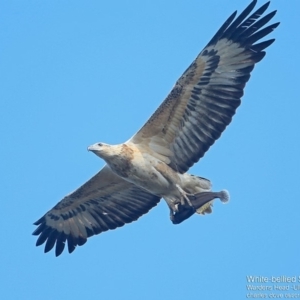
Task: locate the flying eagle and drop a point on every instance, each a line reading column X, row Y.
column 153, row 163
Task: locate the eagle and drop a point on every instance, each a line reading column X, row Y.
column 153, row 163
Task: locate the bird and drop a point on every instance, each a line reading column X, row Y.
column 153, row 164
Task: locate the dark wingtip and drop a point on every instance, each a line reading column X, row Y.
column 39, row 221
column 275, row 25
column 265, row 6
column 59, row 249
column 263, row 45
column 220, row 32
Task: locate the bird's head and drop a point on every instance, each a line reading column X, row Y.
column 100, row 149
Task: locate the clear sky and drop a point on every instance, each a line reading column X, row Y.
column 78, row 72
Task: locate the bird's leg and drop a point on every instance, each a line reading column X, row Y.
column 182, row 211
column 174, row 207
column 185, row 195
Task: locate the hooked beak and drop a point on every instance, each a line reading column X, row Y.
column 93, row 148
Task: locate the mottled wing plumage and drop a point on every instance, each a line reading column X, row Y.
column 205, row 98
column 192, row 117
column 104, row 202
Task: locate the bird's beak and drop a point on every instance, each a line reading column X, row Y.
column 92, row 148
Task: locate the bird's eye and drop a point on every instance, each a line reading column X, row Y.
column 100, row 144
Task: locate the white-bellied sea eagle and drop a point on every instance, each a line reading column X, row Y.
column 153, row 163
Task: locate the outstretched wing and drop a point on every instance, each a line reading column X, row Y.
column 104, row 202
column 205, row 98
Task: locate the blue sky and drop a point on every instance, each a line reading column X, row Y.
column 77, row 72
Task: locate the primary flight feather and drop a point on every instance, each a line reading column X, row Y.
column 153, row 163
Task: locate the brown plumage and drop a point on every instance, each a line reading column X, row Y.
column 153, row 163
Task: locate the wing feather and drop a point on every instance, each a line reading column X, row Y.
column 104, row 202
column 205, row 98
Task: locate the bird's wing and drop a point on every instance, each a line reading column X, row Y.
column 205, row 98
column 104, row 202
